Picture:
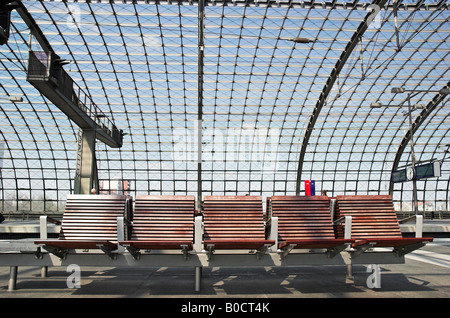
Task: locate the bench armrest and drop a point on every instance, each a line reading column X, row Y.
column 408, row 219
column 347, row 220
column 53, row 221
column 273, row 234
column 419, row 223
column 339, row 221
column 43, row 229
column 121, row 220
column 198, row 233
column 127, row 222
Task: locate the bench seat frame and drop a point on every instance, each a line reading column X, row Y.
column 198, row 253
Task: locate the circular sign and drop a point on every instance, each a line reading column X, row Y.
column 410, row 173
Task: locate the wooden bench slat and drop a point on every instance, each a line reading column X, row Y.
column 90, row 222
column 304, row 221
column 374, row 220
column 229, row 222
column 371, row 215
column 162, row 222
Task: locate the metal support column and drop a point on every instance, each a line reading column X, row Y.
column 349, row 278
column 86, row 176
column 201, row 55
column 413, row 156
column 198, row 278
column 431, row 106
column 12, row 278
column 43, row 235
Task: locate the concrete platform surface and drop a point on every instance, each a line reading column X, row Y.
column 426, row 274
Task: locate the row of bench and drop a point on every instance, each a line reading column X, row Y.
column 229, row 223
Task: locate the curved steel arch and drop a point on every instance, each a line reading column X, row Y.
column 415, row 126
column 329, row 85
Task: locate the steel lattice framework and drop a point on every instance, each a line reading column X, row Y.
column 233, row 97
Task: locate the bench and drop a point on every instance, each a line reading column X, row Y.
column 89, row 222
column 305, row 222
column 234, row 223
column 375, row 224
column 160, row 223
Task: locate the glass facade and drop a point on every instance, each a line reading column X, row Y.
column 266, row 65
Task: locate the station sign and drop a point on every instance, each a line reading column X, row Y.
column 424, row 171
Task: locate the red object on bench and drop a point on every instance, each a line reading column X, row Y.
column 375, row 222
column 234, row 222
column 89, row 222
column 162, row 222
column 304, row 222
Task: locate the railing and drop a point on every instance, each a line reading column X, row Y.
column 38, row 65
column 44, row 66
column 85, row 103
column 429, row 215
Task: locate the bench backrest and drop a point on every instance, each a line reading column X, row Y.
column 372, row 215
column 163, row 218
column 233, row 217
column 92, row 217
column 302, row 217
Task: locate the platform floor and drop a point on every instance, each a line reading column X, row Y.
column 426, row 274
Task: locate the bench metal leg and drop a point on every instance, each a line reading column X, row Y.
column 185, row 251
column 44, row 271
column 134, row 252
column 210, row 252
column 12, row 278
column 349, row 279
column 260, row 252
column 286, row 250
column 198, row 278
column 403, row 250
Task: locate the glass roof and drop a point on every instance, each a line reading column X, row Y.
column 276, row 104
